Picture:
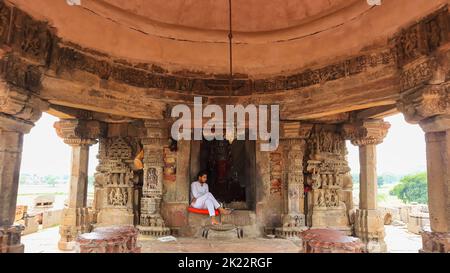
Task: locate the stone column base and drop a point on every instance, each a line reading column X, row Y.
column 293, row 225
column 289, row 232
column 435, row 242
column 74, row 222
column 369, row 227
column 10, row 239
column 154, row 231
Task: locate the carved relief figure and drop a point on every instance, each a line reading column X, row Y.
column 152, row 179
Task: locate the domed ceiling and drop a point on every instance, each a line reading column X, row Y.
column 271, row 37
column 247, row 15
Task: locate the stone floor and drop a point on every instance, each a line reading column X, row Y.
column 44, row 241
column 398, row 240
column 185, row 245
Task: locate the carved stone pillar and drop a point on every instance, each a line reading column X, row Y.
column 18, row 112
column 75, row 218
column 293, row 136
column 429, row 107
column 151, row 221
column 369, row 223
column 325, row 170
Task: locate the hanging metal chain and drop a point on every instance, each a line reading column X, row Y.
column 230, row 39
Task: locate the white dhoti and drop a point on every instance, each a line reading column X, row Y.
column 207, row 201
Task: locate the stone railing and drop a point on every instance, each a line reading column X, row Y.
column 114, row 239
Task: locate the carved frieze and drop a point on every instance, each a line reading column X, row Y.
column 417, row 74
column 422, row 37
column 20, row 73
column 5, row 22
column 276, row 172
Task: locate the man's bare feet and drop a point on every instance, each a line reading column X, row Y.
column 224, row 211
column 214, row 221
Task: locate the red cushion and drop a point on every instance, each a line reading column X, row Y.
column 201, row 211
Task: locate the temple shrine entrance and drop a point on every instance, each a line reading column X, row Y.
column 231, row 171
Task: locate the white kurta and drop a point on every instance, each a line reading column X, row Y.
column 204, row 199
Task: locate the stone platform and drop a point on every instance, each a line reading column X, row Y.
column 197, row 245
column 243, row 220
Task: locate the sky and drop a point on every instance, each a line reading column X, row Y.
column 402, row 152
column 45, row 153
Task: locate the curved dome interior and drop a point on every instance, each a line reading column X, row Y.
column 248, row 15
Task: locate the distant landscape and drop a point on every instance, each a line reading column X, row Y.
column 397, row 189
column 33, row 185
column 393, row 189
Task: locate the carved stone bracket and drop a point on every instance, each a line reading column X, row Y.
column 431, row 100
column 80, row 132
column 366, row 132
column 19, row 109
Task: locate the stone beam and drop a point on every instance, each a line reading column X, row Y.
column 379, row 112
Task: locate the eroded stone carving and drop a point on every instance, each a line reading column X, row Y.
column 431, row 100
column 115, row 181
column 325, row 171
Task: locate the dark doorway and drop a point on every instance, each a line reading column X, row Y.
column 230, row 168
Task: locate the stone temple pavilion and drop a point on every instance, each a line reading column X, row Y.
column 112, row 70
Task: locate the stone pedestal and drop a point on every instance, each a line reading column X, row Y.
column 369, row 227
column 75, row 221
column 330, row 241
column 10, row 239
column 435, row 242
column 113, row 239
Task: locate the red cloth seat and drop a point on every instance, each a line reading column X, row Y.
column 201, row 211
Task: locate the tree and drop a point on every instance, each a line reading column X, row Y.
column 51, row 180
column 412, row 188
column 380, row 181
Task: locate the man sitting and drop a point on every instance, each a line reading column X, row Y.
column 203, row 199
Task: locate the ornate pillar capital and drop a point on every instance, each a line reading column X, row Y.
column 428, row 101
column 19, row 109
column 366, row 132
column 76, row 132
